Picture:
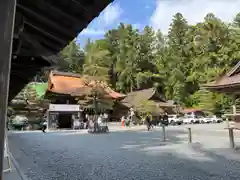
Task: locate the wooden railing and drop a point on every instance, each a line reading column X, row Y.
column 230, row 111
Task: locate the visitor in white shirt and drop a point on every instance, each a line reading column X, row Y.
column 100, row 118
column 105, row 116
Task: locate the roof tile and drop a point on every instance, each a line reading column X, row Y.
column 69, row 83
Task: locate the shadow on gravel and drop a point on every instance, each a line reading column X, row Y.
column 123, row 155
column 210, row 163
column 154, row 139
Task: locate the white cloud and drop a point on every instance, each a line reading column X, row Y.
column 111, row 14
column 137, row 26
column 93, row 32
column 193, row 10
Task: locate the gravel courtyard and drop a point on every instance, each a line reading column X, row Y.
column 136, row 155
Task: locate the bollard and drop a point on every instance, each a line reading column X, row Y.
column 231, row 138
column 164, row 132
column 189, row 135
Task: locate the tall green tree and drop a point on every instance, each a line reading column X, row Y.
column 177, row 59
column 96, row 62
column 177, row 63
column 72, row 58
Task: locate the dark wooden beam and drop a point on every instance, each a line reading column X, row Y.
column 39, row 48
column 44, row 5
column 41, row 18
column 35, row 45
column 7, row 16
column 50, row 36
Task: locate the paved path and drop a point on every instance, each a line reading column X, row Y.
column 15, row 173
column 133, row 155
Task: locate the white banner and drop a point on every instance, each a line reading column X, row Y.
column 6, row 155
column 5, row 148
column 64, row 107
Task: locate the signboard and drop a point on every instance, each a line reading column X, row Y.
column 64, row 107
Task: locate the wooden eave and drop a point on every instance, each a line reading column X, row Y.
column 42, row 29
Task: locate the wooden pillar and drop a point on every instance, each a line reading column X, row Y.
column 189, row 135
column 234, row 105
column 164, row 132
column 48, row 120
column 231, row 138
column 230, row 130
column 7, row 16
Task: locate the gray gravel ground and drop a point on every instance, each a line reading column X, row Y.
column 127, row 155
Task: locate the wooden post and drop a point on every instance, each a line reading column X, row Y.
column 189, row 135
column 234, row 103
column 164, row 132
column 231, row 138
column 234, row 107
column 7, row 16
column 49, row 120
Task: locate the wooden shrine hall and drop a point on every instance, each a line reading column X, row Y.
column 229, row 84
column 68, row 91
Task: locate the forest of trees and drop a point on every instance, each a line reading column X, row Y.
column 177, row 64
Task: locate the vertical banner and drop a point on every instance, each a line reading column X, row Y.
column 7, row 158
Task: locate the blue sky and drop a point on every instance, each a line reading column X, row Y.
column 156, row 13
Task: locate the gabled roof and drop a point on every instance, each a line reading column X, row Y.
column 69, row 83
column 234, row 70
column 64, row 83
column 137, row 97
column 230, row 79
column 109, row 90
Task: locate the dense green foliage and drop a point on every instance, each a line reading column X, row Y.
column 177, row 63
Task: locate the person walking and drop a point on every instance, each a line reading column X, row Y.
column 165, row 119
column 100, row 119
column 123, row 121
column 148, row 122
column 44, row 126
column 131, row 116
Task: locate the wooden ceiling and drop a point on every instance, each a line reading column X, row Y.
column 42, row 29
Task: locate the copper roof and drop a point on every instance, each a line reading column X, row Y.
column 70, row 83
column 64, row 83
column 230, row 79
column 109, row 90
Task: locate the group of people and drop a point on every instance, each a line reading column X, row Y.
column 103, row 117
column 97, row 120
column 98, row 123
column 126, row 121
column 162, row 120
column 84, row 120
column 87, row 119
